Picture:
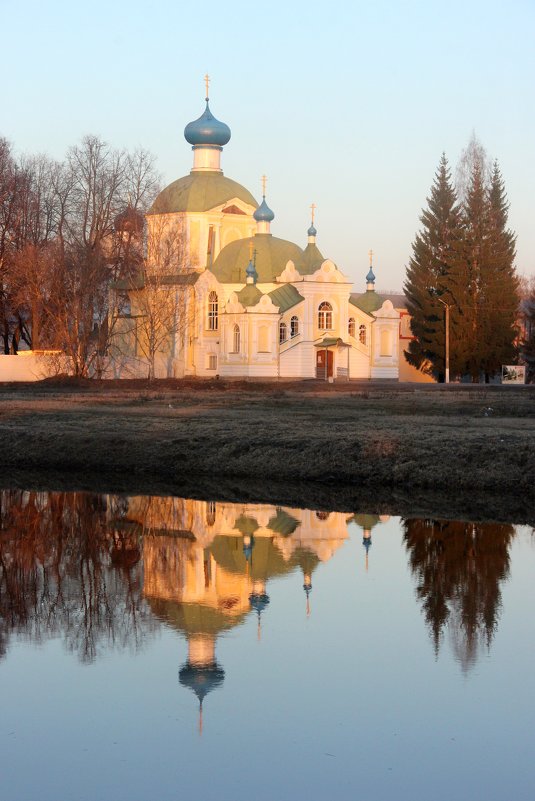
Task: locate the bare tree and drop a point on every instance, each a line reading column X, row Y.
column 67, row 232
column 161, row 302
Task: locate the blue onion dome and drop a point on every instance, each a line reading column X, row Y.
column 370, row 278
column 312, row 231
column 259, row 601
column 263, row 212
column 250, row 271
column 201, row 679
column 207, row 130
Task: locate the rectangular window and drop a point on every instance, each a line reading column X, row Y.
column 212, row 361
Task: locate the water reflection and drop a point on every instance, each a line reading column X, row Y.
column 69, row 568
column 459, row 568
column 106, row 571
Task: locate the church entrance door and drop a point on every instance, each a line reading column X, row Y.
column 324, row 364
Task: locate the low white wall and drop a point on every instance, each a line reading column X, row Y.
column 30, row 365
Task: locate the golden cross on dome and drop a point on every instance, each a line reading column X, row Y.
column 370, row 254
column 251, row 250
column 207, row 83
column 264, row 180
column 313, row 208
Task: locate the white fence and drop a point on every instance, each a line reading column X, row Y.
column 30, row 365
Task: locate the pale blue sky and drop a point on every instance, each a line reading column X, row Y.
column 346, row 105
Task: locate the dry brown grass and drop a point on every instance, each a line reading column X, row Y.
column 465, row 443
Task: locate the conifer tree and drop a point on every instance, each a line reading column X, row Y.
column 436, row 254
column 491, row 297
column 503, row 284
column 464, row 256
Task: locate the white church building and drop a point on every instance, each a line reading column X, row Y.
column 257, row 305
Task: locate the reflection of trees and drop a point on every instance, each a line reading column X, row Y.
column 70, row 566
column 458, row 569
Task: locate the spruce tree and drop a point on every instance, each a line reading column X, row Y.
column 491, row 285
column 436, row 254
column 503, row 284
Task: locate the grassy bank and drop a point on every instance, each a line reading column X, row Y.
column 301, row 443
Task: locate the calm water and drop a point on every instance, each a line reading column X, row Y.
column 161, row 648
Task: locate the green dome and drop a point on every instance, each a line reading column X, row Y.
column 200, row 191
column 272, row 255
column 194, row 618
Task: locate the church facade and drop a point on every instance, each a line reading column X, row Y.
column 249, row 304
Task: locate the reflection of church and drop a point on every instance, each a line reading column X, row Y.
column 104, row 571
column 207, row 566
column 253, row 304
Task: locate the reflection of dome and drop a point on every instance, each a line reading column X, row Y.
column 245, row 524
column 259, row 601
column 367, row 522
column 272, row 255
column 200, row 191
column 207, row 130
column 202, row 679
column 267, row 561
column 196, row 618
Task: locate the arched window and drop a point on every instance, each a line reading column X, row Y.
column 236, row 339
column 362, row 334
column 325, row 316
column 386, row 343
column 213, row 311
column 294, row 326
column 210, row 513
column 351, row 327
column 283, row 332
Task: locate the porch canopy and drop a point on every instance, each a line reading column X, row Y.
column 325, row 367
column 332, row 342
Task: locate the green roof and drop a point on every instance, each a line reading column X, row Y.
column 283, row 523
column 313, row 259
column 138, row 281
column 266, row 560
column 193, row 618
column 247, row 525
column 366, row 521
column 200, row 191
column 330, row 342
column 249, row 295
column 285, row 297
column 272, row 255
column 368, row 301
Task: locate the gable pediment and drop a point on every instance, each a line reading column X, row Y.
column 328, row 273
column 289, row 275
column 387, row 311
column 233, row 206
column 232, row 209
column 207, row 281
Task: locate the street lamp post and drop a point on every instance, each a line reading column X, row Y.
column 447, row 365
